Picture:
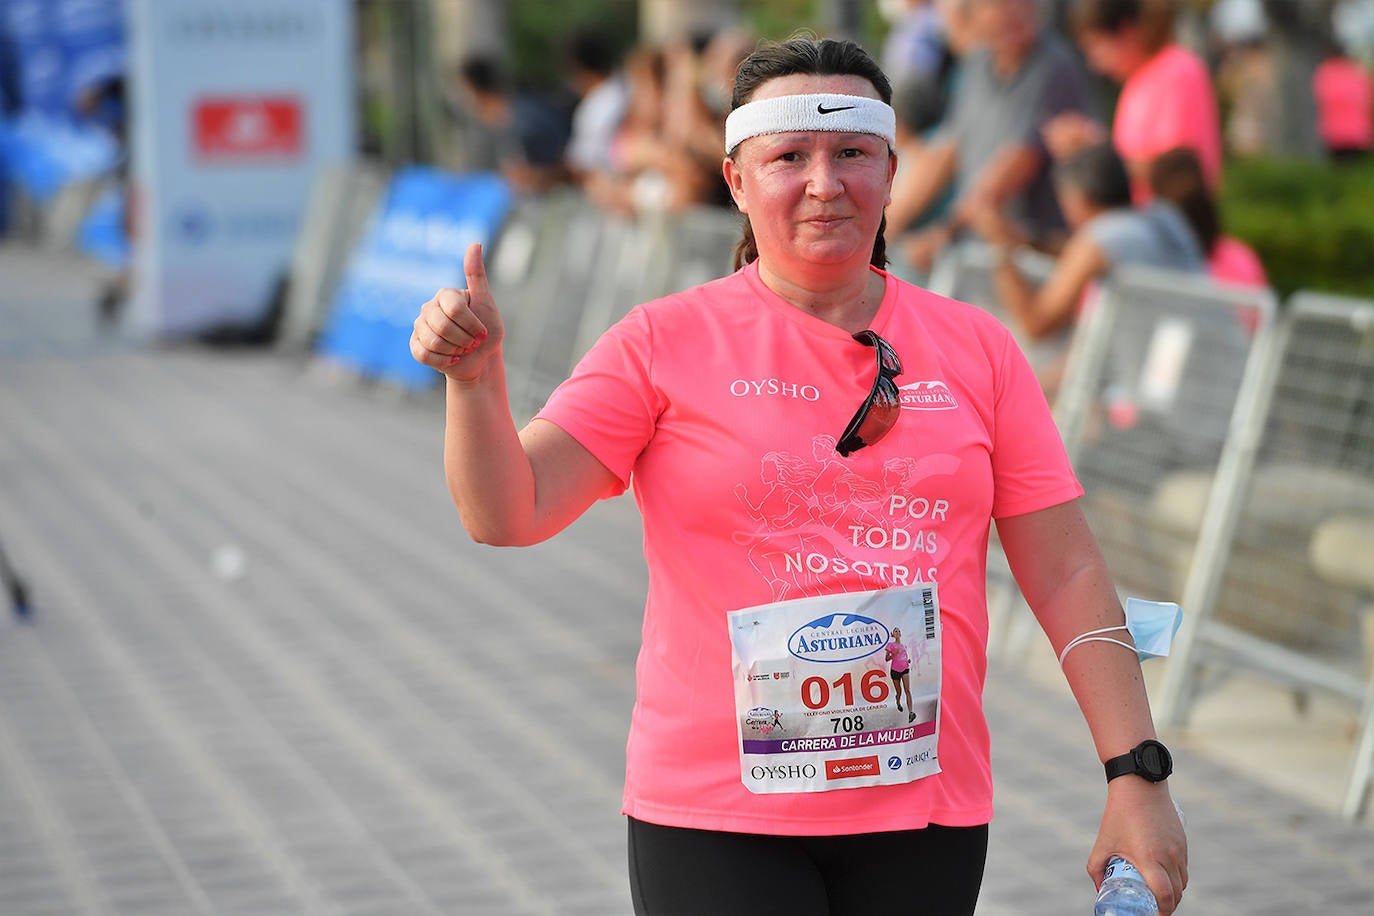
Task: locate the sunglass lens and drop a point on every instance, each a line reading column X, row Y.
column 875, row 418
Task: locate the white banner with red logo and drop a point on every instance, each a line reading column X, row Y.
column 816, row 703
column 236, row 106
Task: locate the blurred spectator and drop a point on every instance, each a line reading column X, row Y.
column 1107, row 232
column 701, row 81
column 1167, row 99
column 922, row 106
column 1016, row 79
column 103, row 103
column 530, row 133
column 1344, row 94
column 914, row 45
column 1245, row 81
column 1176, row 176
column 652, row 167
column 602, row 101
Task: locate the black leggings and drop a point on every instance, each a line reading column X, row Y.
column 932, row 872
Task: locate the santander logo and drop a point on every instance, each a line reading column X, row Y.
column 931, row 395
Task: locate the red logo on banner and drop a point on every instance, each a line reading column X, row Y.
column 249, row 129
column 850, row 767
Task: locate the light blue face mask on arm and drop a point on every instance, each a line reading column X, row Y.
column 1152, row 625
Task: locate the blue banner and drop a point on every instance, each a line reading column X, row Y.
column 101, row 234
column 61, row 48
column 51, row 51
column 413, row 247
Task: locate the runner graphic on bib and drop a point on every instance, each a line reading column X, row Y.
column 814, row 695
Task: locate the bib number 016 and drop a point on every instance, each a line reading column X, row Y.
column 873, row 687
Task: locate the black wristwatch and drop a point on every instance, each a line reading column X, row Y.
column 1149, row 760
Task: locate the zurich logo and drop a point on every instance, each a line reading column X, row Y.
column 894, row 762
column 837, row 638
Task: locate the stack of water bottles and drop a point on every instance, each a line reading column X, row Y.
column 1124, row 892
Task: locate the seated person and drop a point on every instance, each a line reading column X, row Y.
column 1177, row 176
column 1106, row 231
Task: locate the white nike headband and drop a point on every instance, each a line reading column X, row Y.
column 785, row 114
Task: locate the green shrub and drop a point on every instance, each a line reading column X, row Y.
column 1312, row 223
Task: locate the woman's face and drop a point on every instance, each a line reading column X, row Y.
column 814, row 198
column 1116, row 55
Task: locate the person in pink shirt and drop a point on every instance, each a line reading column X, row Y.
column 727, row 409
column 1177, row 176
column 895, row 652
column 1167, row 99
column 1344, row 92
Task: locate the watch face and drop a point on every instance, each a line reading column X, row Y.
column 1154, row 759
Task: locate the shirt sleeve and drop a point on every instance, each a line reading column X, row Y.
column 610, row 404
column 1030, row 468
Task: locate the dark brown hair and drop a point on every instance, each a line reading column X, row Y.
column 1154, row 18
column 1099, row 173
column 1176, row 176
column 813, row 57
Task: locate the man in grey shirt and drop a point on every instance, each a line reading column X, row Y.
column 1020, row 77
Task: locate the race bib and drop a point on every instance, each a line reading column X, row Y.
column 815, row 697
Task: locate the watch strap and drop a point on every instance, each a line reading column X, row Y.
column 1124, row 765
column 1149, row 760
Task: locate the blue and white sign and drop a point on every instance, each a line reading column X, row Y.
column 238, row 105
column 413, row 247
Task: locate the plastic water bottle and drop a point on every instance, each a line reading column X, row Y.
column 1124, row 892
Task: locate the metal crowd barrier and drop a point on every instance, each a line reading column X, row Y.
column 562, row 270
column 966, row 272
column 580, row 270
column 1280, row 588
column 341, row 201
column 1157, row 371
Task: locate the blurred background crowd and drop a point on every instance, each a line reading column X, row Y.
column 1265, row 108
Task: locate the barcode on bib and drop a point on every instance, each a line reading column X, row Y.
column 929, row 601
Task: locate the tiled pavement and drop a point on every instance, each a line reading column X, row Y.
column 268, row 674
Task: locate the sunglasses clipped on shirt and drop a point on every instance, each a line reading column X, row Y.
column 878, row 413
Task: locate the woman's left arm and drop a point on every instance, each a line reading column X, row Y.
column 1065, row 581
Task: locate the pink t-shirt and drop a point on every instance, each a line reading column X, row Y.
column 1166, row 104
column 721, row 405
column 1344, row 93
column 1233, row 261
column 897, row 655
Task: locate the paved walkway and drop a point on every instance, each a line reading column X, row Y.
column 268, row 674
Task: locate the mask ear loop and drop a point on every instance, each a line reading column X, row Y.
column 1095, row 636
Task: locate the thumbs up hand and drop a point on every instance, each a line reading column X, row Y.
column 459, row 331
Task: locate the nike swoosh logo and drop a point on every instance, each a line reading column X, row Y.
column 823, row 110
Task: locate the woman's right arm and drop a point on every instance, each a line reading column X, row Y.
column 510, row 487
